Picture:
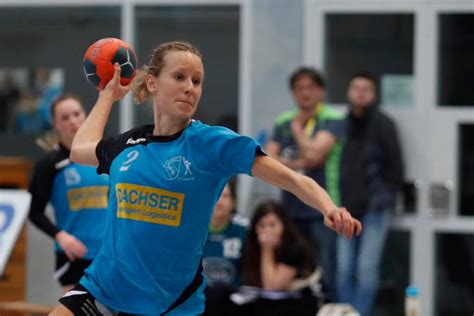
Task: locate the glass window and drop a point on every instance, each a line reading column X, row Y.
column 456, row 48
column 42, row 56
column 454, row 276
column 215, row 32
column 381, row 44
column 395, row 275
column 466, row 169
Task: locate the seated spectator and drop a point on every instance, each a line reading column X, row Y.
column 278, row 262
column 222, row 252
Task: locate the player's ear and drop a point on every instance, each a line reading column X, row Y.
column 151, row 84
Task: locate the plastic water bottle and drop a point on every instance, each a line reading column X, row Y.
column 412, row 301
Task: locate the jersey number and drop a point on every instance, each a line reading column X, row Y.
column 131, row 157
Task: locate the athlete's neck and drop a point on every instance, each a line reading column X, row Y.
column 67, row 142
column 166, row 126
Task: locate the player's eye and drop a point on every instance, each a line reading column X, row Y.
column 197, row 82
column 179, row 77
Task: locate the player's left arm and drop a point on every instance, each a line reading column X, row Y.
column 308, row 191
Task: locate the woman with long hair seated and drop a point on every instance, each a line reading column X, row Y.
column 278, row 261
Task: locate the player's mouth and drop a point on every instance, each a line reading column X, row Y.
column 186, row 102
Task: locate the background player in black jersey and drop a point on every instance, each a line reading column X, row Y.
column 77, row 194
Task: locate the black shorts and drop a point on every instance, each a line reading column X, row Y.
column 80, row 302
column 69, row 272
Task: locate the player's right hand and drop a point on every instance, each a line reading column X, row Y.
column 72, row 247
column 114, row 89
column 340, row 220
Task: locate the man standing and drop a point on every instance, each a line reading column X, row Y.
column 302, row 141
column 371, row 174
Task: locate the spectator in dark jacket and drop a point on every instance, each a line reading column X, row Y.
column 371, row 175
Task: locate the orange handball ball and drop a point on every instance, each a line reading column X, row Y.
column 99, row 62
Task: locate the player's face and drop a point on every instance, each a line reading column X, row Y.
column 68, row 117
column 179, row 85
column 225, row 205
column 361, row 93
column 307, row 93
column 270, row 224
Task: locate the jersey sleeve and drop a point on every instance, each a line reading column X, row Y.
column 227, row 152
column 107, row 150
column 40, row 188
column 42, row 179
column 38, row 217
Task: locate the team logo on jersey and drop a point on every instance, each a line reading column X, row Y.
column 72, row 177
column 232, row 248
column 178, row 168
column 218, row 270
column 132, row 141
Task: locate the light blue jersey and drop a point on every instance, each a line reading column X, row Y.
column 79, row 199
column 223, row 253
column 162, row 193
column 78, row 195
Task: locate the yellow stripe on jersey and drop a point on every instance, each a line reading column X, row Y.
column 148, row 204
column 311, row 124
column 88, row 197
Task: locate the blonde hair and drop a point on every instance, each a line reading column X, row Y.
column 156, row 64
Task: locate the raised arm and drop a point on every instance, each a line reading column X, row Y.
column 308, row 191
column 92, row 130
column 319, row 147
column 313, row 149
